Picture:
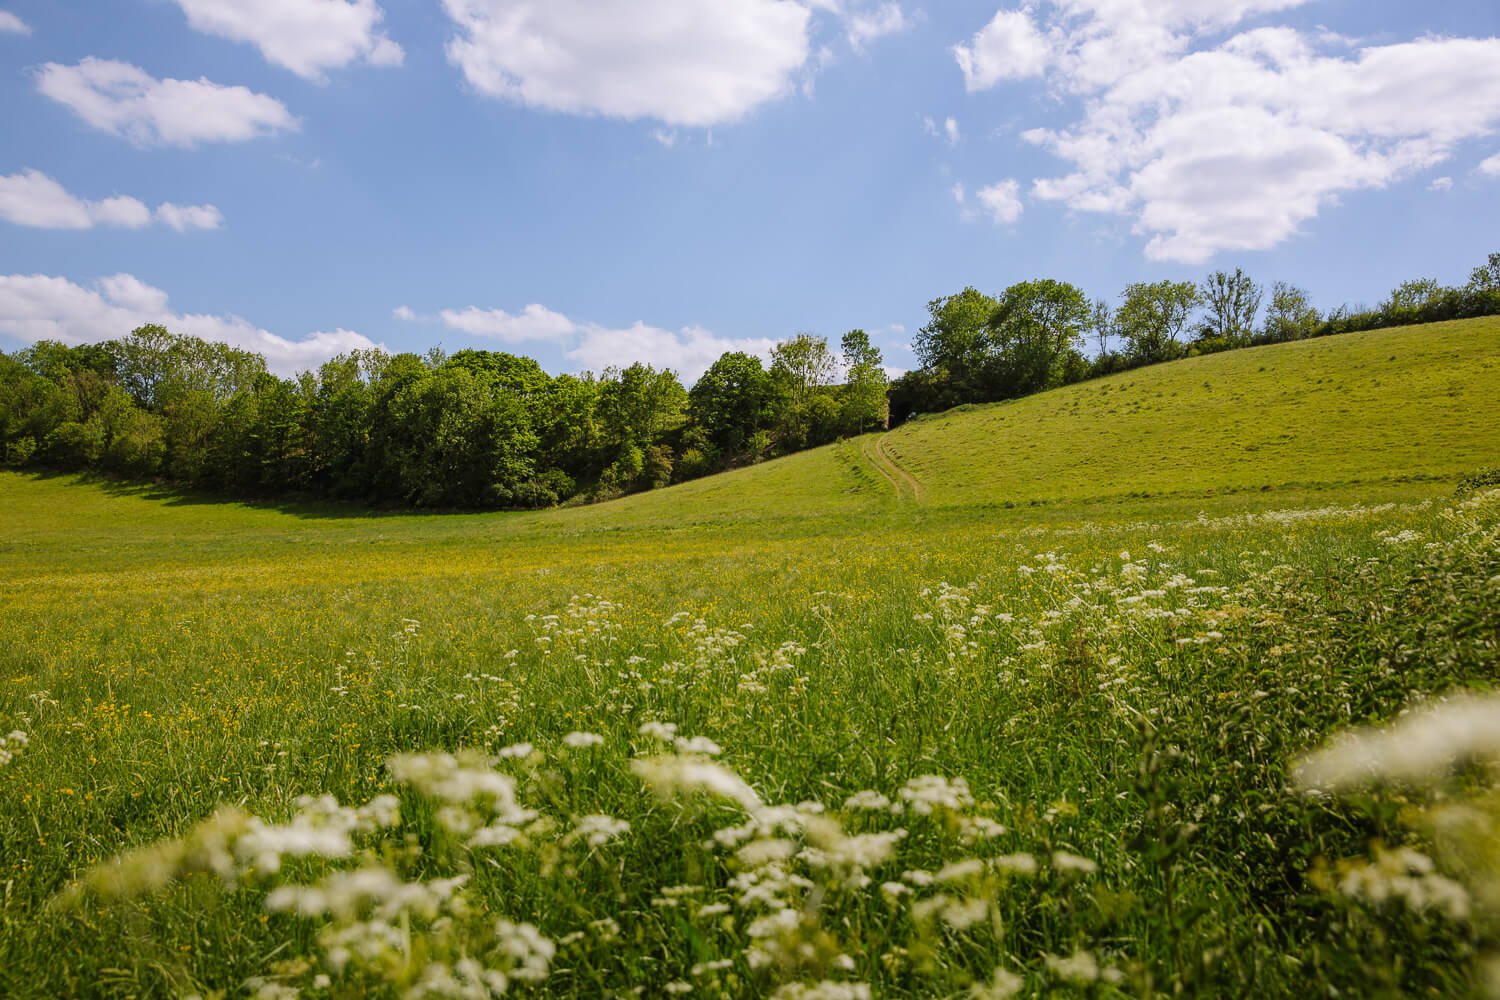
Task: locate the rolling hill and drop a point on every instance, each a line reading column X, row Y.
column 1389, row 406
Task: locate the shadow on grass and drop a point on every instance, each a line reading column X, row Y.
column 175, row 496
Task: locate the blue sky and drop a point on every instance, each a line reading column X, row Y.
column 593, row 182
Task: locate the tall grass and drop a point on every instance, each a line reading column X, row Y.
column 916, row 753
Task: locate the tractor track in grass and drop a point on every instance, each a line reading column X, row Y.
column 907, row 486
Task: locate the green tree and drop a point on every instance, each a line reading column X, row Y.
column 1486, row 278
column 637, row 407
column 154, row 366
column 1033, row 338
column 864, row 405
column 953, row 345
column 1232, row 302
column 1151, row 318
column 1411, row 297
column 1290, row 316
column 732, row 404
column 803, row 371
column 1101, row 325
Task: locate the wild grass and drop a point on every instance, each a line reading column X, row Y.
column 1412, row 403
column 791, row 734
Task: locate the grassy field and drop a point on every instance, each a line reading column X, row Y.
column 1004, row 702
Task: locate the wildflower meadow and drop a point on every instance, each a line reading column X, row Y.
column 836, row 738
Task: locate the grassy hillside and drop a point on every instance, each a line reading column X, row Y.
column 1123, row 683
column 1390, row 404
column 1387, row 406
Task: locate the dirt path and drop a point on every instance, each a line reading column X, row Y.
column 907, row 486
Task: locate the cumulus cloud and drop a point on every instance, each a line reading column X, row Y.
column 1002, row 201
column 31, row 198
column 1441, row 185
column 688, row 352
column 1010, row 47
column 304, row 36
column 535, row 322
column 126, row 101
column 1491, row 167
column 1213, row 143
column 38, row 307
column 867, row 25
column 185, row 217
column 10, row 24
column 681, row 62
column 595, row 346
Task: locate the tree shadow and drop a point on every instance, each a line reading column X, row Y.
column 169, row 495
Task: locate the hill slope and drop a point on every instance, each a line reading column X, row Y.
column 1386, row 406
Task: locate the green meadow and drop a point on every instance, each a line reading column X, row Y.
column 1007, row 701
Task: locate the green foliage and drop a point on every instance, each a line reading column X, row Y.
column 1124, row 688
column 1033, row 337
column 1290, row 315
column 1232, row 302
column 954, row 340
column 1151, row 318
column 156, row 366
column 864, row 405
column 733, row 402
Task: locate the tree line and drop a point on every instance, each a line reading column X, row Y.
column 487, row 429
column 979, row 348
column 475, row 429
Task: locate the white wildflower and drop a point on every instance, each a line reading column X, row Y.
column 825, row 990
column 582, row 741
column 1063, row 861
column 1081, row 967
column 1015, row 864
column 1417, row 747
column 929, row 792
column 597, row 830
column 869, row 800
column 959, row 871
column 698, row 744
column 666, row 732
column 1001, row 986
column 684, row 775
column 527, row 948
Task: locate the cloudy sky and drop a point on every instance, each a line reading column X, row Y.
column 594, row 182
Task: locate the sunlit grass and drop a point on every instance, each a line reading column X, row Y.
column 1122, row 687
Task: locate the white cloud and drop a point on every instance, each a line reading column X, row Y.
column 125, row 100
column 1441, row 184
column 866, row 26
column 405, row 314
column 594, row 346
column 1491, row 167
column 120, row 210
column 36, row 307
column 1002, row 201
column 949, row 130
column 535, row 322
column 304, row 36
column 10, row 24
column 667, row 137
column 31, row 198
column 959, row 194
column 1008, row 48
column 682, row 62
column 185, row 217
column 1212, row 143
column 688, row 352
